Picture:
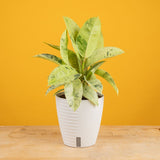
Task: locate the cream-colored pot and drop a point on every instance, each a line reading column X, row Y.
column 79, row 128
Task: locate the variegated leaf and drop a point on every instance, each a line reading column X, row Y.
column 52, row 87
column 100, row 43
column 72, row 57
column 62, row 74
column 51, row 58
column 56, row 47
column 94, row 68
column 103, row 53
column 95, row 83
column 73, row 61
column 63, row 47
column 73, row 30
column 107, row 77
column 59, row 91
column 90, row 94
column 88, row 36
column 52, row 45
column 73, row 92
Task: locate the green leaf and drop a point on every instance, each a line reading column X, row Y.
column 90, row 94
column 95, row 83
column 73, row 92
column 68, row 56
column 53, row 46
column 73, row 30
column 107, row 77
column 62, row 74
column 94, row 68
column 63, row 47
column 100, row 43
column 73, row 61
column 88, row 36
column 72, row 57
column 56, row 47
column 103, row 53
column 52, row 87
column 51, row 58
column 58, row 92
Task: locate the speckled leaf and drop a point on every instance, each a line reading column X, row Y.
column 56, row 47
column 95, row 83
column 51, row 58
column 59, row 91
column 52, row 87
column 73, row 61
column 107, row 77
column 90, row 94
column 53, row 46
column 71, row 56
column 73, row 30
column 103, row 53
column 62, row 74
column 88, row 36
column 94, row 68
column 73, row 92
column 63, row 47
column 100, row 43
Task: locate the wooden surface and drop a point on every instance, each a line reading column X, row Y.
column 114, row 143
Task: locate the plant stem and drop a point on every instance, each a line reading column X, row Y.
column 83, row 65
column 79, row 65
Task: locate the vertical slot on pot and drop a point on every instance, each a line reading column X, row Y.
column 78, row 141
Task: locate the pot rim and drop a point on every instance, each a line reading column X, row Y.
column 62, row 93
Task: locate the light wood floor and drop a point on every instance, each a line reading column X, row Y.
column 114, row 143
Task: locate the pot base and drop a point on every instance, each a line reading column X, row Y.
column 68, row 145
column 79, row 142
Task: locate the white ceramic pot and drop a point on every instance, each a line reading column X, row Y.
column 79, row 128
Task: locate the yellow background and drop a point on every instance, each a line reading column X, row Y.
column 132, row 25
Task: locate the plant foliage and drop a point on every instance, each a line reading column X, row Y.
column 77, row 69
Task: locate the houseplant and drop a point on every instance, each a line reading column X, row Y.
column 80, row 103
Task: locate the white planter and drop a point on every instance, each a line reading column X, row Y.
column 79, row 128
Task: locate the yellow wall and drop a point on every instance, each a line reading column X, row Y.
column 132, row 25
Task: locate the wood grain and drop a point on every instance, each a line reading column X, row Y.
column 114, row 143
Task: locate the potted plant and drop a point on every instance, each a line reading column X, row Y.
column 80, row 103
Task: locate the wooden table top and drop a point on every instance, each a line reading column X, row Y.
column 114, row 143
